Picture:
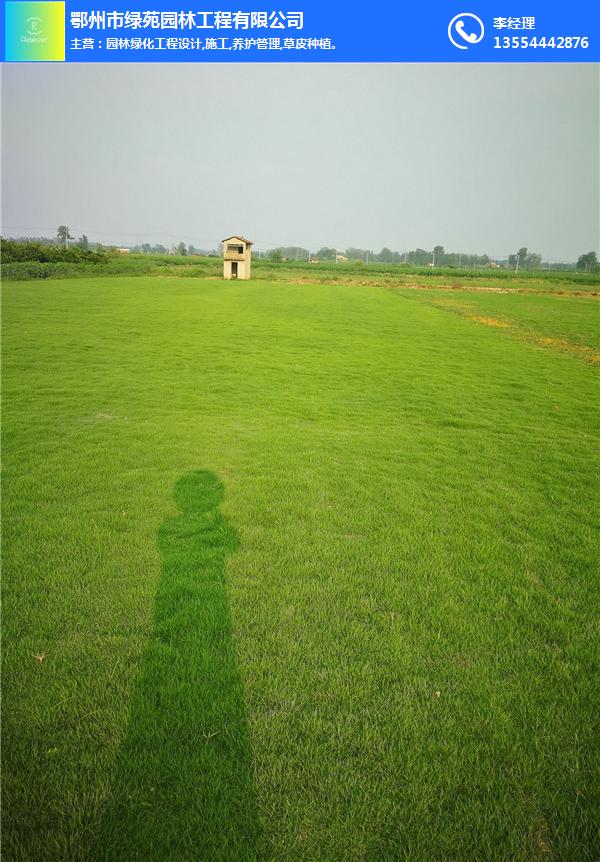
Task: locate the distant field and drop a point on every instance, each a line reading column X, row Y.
column 298, row 271
column 299, row 572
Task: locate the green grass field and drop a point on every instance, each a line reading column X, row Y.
column 298, row 572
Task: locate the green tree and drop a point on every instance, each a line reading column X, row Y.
column 520, row 257
column 386, row 255
column 63, row 235
column 326, row 253
column 420, row 257
column 83, row 242
column 356, row 253
column 588, row 262
column 439, row 255
column 525, row 258
column 181, row 249
column 291, row 252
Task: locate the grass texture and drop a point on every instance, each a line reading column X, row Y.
column 297, row 572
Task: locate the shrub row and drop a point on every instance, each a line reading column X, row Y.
column 35, row 251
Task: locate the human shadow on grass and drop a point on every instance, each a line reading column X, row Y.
column 184, row 788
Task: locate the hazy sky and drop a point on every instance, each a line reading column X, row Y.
column 482, row 158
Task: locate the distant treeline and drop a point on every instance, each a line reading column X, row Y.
column 420, row 257
column 45, row 250
column 22, row 264
column 145, row 248
column 13, row 251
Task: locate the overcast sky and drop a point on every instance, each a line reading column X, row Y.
column 481, row 158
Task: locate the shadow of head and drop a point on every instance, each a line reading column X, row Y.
column 198, row 491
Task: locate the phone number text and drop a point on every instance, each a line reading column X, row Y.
column 568, row 42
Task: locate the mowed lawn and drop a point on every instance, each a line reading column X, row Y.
column 295, row 573
column 558, row 320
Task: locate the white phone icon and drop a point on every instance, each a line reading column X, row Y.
column 468, row 37
column 462, row 38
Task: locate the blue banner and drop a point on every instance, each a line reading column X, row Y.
column 79, row 31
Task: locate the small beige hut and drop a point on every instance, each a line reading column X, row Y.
column 237, row 255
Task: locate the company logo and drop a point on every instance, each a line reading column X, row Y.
column 34, row 34
column 34, row 27
column 34, row 30
column 465, row 30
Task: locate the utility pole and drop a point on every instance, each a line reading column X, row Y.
column 433, row 259
column 517, row 263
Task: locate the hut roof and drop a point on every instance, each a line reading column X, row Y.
column 237, row 236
